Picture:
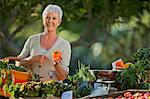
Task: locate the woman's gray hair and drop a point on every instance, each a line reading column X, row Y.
column 52, row 8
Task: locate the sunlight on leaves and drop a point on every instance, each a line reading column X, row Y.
column 96, row 49
column 69, row 35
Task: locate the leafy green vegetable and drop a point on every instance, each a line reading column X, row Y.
column 18, row 68
column 80, row 82
column 6, row 65
column 134, row 77
column 84, row 89
column 83, row 73
column 3, row 64
column 37, row 89
column 142, row 57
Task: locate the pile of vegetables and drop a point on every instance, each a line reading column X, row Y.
column 7, row 72
column 83, row 73
column 81, row 82
column 37, row 89
column 7, row 66
column 27, row 89
column 134, row 77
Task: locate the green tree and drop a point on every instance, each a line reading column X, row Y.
column 118, row 25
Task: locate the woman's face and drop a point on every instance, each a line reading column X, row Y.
column 51, row 21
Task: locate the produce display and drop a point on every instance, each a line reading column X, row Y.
column 18, row 82
column 79, row 83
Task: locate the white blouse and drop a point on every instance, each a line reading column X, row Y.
column 33, row 47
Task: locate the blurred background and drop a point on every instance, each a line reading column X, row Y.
column 100, row 31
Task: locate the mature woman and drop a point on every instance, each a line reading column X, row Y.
column 38, row 49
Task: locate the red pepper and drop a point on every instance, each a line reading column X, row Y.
column 19, row 81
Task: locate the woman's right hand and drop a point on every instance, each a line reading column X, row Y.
column 29, row 60
column 12, row 58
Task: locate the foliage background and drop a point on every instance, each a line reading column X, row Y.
column 100, row 31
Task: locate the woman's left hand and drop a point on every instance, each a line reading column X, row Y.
column 39, row 58
column 43, row 59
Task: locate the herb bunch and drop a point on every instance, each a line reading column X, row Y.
column 142, row 57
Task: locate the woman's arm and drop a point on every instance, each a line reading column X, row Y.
column 61, row 66
column 11, row 58
column 61, row 73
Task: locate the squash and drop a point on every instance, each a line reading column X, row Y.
column 20, row 77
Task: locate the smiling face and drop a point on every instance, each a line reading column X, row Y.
column 51, row 21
